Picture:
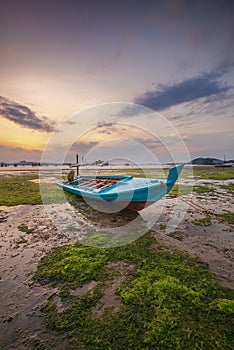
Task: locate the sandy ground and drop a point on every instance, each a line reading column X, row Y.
column 21, row 326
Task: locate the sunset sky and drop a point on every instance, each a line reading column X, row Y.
column 61, row 57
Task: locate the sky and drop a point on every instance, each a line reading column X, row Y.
column 61, row 58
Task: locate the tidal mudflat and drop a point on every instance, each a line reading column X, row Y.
column 170, row 287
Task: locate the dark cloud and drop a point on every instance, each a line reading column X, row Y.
column 133, row 110
column 70, row 122
column 24, row 116
column 106, row 128
column 188, row 90
column 104, row 124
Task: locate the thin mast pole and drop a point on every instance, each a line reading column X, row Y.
column 77, row 166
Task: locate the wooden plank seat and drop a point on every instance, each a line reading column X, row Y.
column 87, row 183
column 97, row 183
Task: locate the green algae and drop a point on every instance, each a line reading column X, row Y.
column 16, row 190
column 212, row 173
column 24, row 228
column 229, row 187
column 203, row 222
column 169, row 301
column 179, row 190
column 228, row 217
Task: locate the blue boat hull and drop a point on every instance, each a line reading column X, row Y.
column 127, row 191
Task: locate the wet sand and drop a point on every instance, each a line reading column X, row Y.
column 21, row 326
column 213, row 244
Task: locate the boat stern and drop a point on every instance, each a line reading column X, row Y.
column 173, row 175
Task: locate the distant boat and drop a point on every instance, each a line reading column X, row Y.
column 223, row 165
column 125, row 191
column 105, row 163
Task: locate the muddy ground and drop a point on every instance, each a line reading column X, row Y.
column 21, row 326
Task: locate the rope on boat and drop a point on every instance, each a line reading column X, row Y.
column 165, row 185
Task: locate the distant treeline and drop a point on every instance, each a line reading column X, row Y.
column 209, row 161
column 196, row 161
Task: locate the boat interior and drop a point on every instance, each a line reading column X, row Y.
column 97, row 183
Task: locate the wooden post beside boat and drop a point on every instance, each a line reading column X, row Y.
column 77, row 162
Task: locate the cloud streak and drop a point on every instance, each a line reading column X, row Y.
column 165, row 96
column 24, row 116
column 14, row 154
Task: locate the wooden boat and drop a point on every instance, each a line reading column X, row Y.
column 125, row 191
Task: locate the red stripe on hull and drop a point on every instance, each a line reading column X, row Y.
column 137, row 206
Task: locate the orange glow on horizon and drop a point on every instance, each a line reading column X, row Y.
column 15, row 136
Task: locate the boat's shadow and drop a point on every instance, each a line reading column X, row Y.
column 102, row 214
column 99, row 224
